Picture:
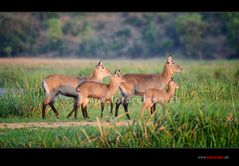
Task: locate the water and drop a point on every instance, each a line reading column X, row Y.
column 10, row 90
column 1, row 91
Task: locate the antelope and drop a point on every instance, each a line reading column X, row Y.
column 56, row 84
column 96, row 90
column 153, row 96
column 137, row 84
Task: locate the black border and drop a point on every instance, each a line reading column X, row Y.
column 121, row 5
column 117, row 155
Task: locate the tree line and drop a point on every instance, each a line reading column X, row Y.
column 119, row 35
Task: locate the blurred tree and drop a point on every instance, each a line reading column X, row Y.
column 73, row 26
column 88, row 45
column 135, row 35
column 43, row 16
column 54, row 29
column 191, row 29
column 8, row 50
column 136, row 51
column 149, row 32
column 55, row 35
column 18, row 33
column 134, row 20
column 166, row 44
column 125, row 33
column 232, row 29
column 86, row 32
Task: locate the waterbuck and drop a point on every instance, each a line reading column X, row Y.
column 96, row 90
column 137, row 84
column 153, row 96
column 56, row 84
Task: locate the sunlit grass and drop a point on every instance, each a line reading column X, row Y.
column 203, row 113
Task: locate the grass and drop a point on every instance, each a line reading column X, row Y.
column 204, row 112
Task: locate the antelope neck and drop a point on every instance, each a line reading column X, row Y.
column 170, row 70
column 95, row 76
column 167, row 73
column 113, row 86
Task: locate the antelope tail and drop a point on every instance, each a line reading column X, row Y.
column 45, row 87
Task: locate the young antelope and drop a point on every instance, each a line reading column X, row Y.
column 153, row 96
column 96, row 90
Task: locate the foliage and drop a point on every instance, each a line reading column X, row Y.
column 191, row 29
column 54, row 29
column 113, row 35
column 232, row 24
column 17, row 33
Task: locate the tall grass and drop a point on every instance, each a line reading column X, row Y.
column 169, row 132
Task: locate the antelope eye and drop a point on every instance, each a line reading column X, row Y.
column 102, row 67
column 173, row 62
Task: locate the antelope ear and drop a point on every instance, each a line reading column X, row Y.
column 170, row 59
column 99, row 64
column 117, row 72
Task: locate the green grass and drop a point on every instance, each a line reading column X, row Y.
column 204, row 112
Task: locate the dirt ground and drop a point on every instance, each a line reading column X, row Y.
column 61, row 124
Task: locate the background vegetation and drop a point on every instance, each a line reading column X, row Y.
column 119, row 35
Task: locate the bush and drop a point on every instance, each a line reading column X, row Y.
column 124, row 33
column 54, row 29
column 191, row 29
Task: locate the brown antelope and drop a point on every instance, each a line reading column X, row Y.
column 103, row 92
column 137, row 84
column 56, row 84
column 153, row 96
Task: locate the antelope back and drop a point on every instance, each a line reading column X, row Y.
column 55, row 81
